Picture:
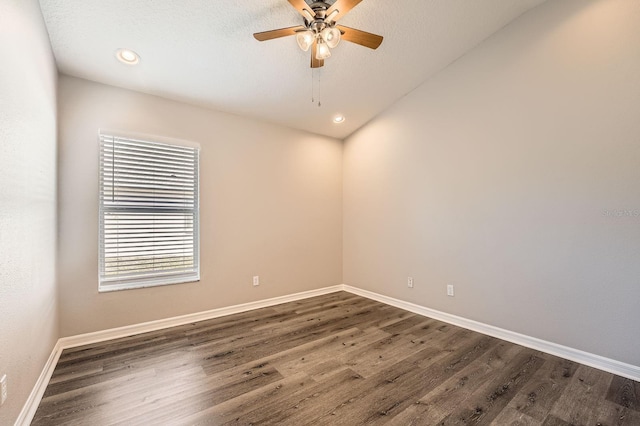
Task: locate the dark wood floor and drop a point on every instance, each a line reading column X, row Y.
column 337, row 359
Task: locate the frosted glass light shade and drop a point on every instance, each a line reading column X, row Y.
column 331, row 35
column 323, row 51
column 305, row 39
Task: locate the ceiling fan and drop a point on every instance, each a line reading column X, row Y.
column 320, row 32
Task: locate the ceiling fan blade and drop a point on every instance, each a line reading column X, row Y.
column 315, row 63
column 363, row 38
column 301, row 6
column 342, row 6
column 282, row 32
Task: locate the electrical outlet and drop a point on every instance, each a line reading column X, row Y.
column 410, row 282
column 256, row 280
column 450, row 290
column 3, row 389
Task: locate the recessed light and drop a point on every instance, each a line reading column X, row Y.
column 127, row 56
column 339, row 119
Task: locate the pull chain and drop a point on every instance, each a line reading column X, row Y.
column 319, row 73
column 313, row 89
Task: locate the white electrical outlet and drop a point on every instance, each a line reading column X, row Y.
column 3, row 389
column 450, row 290
column 256, row 280
column 410, row 282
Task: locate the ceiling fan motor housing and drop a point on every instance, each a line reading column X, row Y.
column 319, row 5
column 318, row 23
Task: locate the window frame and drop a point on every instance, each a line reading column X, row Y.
column 149, row 280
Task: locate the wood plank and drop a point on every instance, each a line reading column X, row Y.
column 381, row 355
column 233, row 410
column 624, row 392
column 336, row 349
column 303, row 406
column 582, row 402
column 538, row 397
column 445, row 398
column 555, row 421
column 512, row 417
column 395, row 389
column 332, row 359
column 486, row 403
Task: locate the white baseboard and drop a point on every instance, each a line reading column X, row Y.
column 145, row 327
column 30, row 407
column 606, row 364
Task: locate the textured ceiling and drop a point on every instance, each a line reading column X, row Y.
column 203, row 52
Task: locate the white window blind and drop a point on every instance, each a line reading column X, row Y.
column 148, row 213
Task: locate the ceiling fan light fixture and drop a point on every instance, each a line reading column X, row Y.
column 320, row 31
column 332, row 36
column 323, row 51
column 305, row 39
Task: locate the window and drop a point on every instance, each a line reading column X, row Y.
column 148, row 213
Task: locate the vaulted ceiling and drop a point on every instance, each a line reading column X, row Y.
column 203, row 52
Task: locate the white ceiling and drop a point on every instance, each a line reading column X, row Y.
column 203, row 52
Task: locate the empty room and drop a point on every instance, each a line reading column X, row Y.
column 339, row 212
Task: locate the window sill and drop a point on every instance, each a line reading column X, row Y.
column 115, row 286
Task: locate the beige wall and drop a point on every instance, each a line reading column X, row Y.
column 28, row 311
column 270, row 205
column 494, row 176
